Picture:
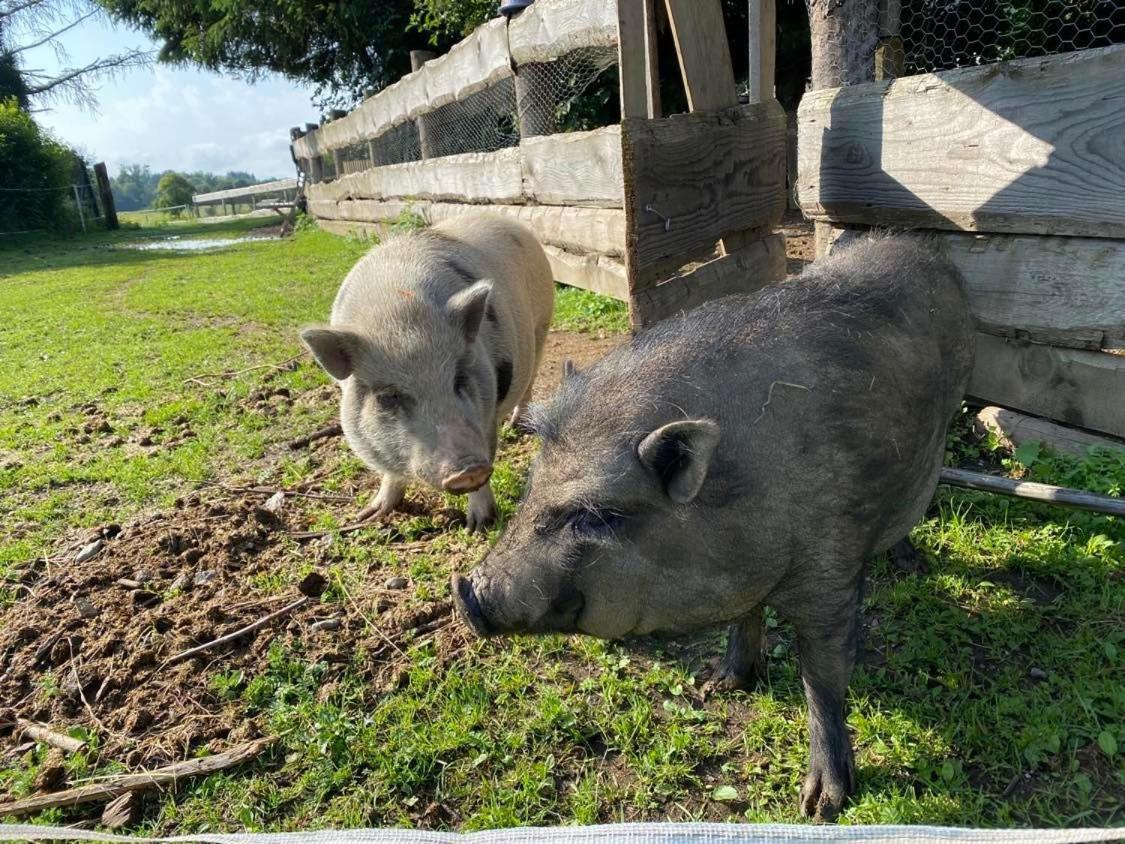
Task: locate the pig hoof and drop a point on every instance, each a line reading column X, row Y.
column 824, row 794
column 731, row 678
column 907, row 558
column 478, row 520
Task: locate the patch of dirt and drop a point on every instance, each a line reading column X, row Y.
column 582, row 349
column 93, row 633
column 93, row 642
column 800, row 244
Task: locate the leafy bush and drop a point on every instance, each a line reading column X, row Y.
column 36, row 173
column 172, row 191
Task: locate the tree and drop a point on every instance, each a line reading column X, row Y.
column 35, row 171
column 172, row 191
column 29, row 24
column 134, row 187
column 344, row 48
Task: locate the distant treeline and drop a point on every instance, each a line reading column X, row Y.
column 136, row 185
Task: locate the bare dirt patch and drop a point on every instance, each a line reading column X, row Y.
column 91, row 637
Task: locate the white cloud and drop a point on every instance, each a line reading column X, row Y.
column 182, row 119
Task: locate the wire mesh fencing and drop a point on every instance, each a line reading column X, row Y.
column 941, row 35
column 569, row 93
column 60, row 208
column 909, row 37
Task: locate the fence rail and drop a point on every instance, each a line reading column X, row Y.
column 547, row 31
column 235, row 194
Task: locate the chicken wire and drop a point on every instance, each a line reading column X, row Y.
column 945, row 34
column 909, row 37
column 543, row 98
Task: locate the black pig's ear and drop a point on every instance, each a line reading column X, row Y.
column 335, row 349
column 679, row 454
column 569, row 369
column 466, row 309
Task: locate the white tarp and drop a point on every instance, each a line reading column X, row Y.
column 650, row 833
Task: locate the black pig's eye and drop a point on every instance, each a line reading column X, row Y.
column 595, row 522
column 460, row 383
column 391, row 400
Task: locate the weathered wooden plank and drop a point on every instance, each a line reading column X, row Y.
column 473, row 177
column 1084, row 389
column 1019, row 428
column 690, row 179
column 541, row 33
column 1061, row 291
column 744, row 271
column 548, row 30
column 589, row 271
column 575, row 168
column 763, row 49
column 595, row 230
column 239, row 193
column 574, row 229
column 633, row 58
column 1030, row 146
column 701, row 46
column 1064, row 291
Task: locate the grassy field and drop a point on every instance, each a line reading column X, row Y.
column 990, row 692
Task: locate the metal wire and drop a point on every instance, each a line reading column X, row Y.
column 549, row 100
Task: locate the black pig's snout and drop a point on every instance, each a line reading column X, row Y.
column 468, row 607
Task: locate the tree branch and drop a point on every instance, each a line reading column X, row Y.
column 50, row 36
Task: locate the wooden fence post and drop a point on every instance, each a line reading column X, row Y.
column 701, row 46
column 844, row 34
column 425, row 125
column 534, row 103
column 890, row 58
column 763, row 49
column 109, row 209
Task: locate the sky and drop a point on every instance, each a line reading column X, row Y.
column 175, row 118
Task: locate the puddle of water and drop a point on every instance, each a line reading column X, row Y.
column 176, row 243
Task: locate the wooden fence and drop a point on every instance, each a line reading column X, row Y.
column 1022, row 165
column 1019, row 165
column 661, row 212
column 279, row 188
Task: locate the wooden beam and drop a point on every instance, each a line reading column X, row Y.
column 1064, row 291
column 701, row 46
column 418, row 58
column 1019, row 428
column 474, row 177
column 540, row 33
column 633, row 58
column 744, row 271
column 763, row 49
column 545, row 31
column 600, row 230
column 690, row 179
column 1059, row 291
column 1022, row 146
column 1059, row 495
column 590, row 272
column 574, row 168
column 655, row 108
column 109, row 210
column 1084, row 389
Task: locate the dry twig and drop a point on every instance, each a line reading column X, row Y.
column 333, row 430
column 202, row 379
column 115, row 787
column 230, row 637
column 43, row 733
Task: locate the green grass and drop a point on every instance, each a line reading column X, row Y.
column 950, row 722
column 581, row 310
